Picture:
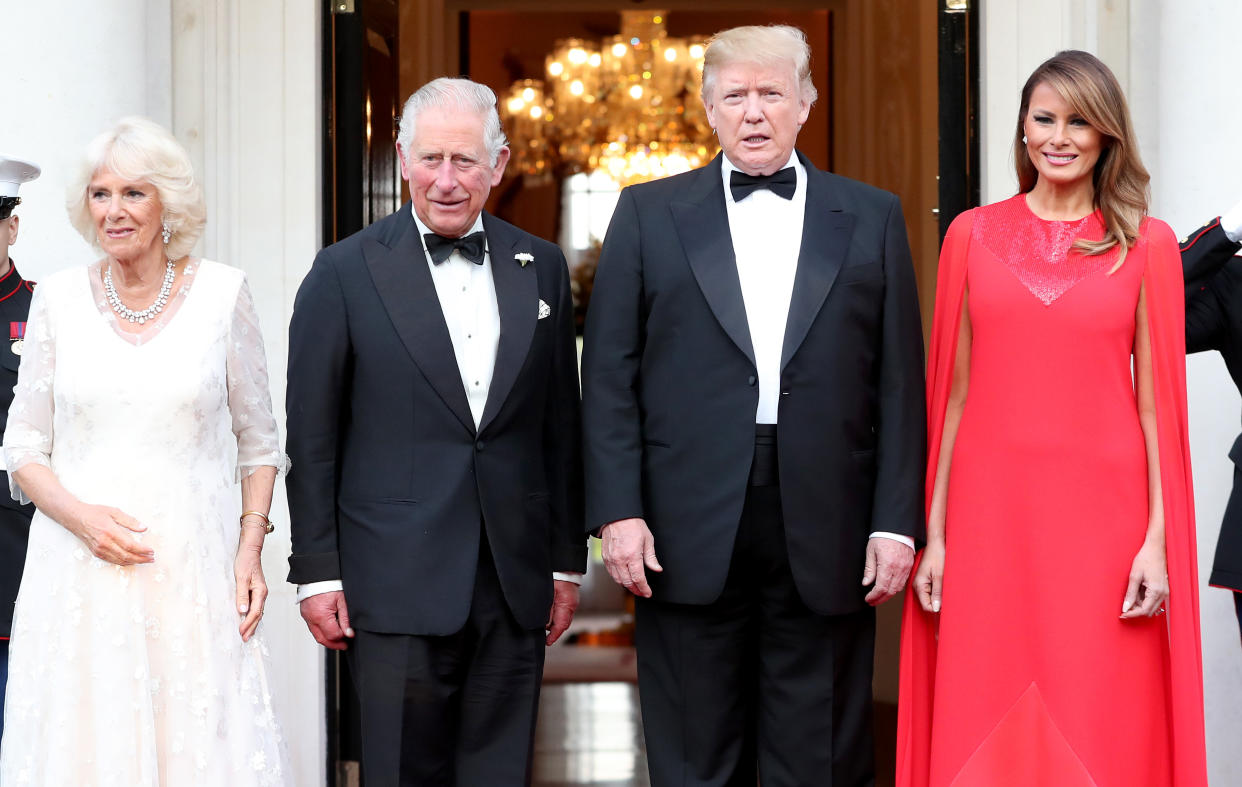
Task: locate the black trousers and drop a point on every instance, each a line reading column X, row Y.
column 454, row 710
column 1227, row 565
column 756, row 685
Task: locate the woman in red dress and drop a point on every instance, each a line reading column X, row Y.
column 1052, row 628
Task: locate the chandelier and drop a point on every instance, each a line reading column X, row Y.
column 628, row 105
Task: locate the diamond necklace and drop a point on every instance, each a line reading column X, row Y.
column 148, row 313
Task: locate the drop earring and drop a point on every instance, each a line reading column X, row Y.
column 1024, row 139
column 167, row 233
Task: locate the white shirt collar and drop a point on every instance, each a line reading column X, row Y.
column 727, row 168
column 423, row 230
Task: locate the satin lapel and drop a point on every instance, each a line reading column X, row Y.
column 405, row 287
column 703, row 225
column 517, row 295
column 826, row 233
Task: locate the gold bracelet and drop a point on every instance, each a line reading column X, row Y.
column 267, row 523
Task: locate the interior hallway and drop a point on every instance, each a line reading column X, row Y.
column 591, row 735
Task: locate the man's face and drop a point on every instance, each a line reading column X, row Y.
column 757, row 111
column 8, row 236
column 449, row 171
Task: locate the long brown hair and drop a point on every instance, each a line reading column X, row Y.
column 1120, row 179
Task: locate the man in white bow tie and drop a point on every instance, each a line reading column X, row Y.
column 433, row 417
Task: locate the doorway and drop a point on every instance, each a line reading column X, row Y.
column 897, row 109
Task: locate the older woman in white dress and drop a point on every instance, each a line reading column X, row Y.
column 141, row 400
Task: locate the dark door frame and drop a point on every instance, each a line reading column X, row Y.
column 958, row 66
column 360, row 102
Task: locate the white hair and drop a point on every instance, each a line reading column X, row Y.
column 139, row 149
column 461, row 94
column 760, row 44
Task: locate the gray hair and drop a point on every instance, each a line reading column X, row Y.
column 770, row 45
column 139, row 149
column 449, row 93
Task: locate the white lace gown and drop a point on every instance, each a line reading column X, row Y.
column 135, row 676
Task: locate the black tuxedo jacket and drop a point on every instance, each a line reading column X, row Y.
column 1214, row 322
column 14, row 518
column 670, row 386
column 391, row 480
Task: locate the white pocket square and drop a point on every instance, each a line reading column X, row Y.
column 544, row 309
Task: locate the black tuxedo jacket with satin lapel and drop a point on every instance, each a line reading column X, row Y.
column 390, row 478
column 670, row 390
column 1214, row 322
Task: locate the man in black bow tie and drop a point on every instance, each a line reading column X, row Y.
column 433, row 418
column 754, row 436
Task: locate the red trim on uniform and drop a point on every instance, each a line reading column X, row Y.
column 1202, row 231
column 16, row 289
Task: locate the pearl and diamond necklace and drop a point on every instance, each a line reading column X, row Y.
column 148, row 313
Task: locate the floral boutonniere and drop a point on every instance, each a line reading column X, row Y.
column 523, row 258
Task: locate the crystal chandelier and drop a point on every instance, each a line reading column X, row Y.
column 628, row 105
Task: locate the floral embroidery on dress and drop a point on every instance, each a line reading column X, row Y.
column 144, row 662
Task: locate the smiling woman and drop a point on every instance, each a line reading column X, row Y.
column 147, row 588
column 1060, row 527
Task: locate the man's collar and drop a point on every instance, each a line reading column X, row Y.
column 423, row 230
column 726, row 168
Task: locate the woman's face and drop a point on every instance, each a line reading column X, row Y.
column 1063, row 146
column 127, row 214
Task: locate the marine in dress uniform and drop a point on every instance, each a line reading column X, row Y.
column 1214, row 322
column 14, row 306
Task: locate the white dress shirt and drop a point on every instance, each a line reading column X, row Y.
column 467, row 296
column 767, row 238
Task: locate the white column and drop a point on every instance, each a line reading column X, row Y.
column 1197, row 175
column 1178, row 63
column 247, row 103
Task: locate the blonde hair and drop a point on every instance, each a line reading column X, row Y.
column 768, row 45
column 141, row 150
column 1120, row 180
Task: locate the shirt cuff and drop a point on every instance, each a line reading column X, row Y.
column 1231, row 223
column 568, row 576
column 900, row 539
column 316, row 588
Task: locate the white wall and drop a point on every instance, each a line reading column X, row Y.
column 1196, row 175
column 73, row 69
column 1182, row 71
column 238, row 82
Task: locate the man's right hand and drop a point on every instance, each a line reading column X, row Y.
column 328, row 619
column 629, row 548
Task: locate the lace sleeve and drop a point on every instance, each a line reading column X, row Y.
column 250, row 399
column 28, row 436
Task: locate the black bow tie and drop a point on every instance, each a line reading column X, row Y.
column 470, row 246
column 782, row 183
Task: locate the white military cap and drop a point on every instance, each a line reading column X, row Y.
column 13, row 173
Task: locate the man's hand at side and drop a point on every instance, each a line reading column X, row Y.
column 888, row 566
column 564, row 604
column 328, row 619
column 629, row 548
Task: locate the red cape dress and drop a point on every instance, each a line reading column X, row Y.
column 1027, row 676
